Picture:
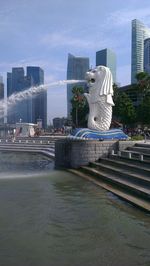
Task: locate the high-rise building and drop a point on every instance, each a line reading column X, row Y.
column 139, row 34
column 9, row 84
column 76, row 69
column 147, row 55
column 1, row 98
column 59, row 122
column 107, row 57
column 31, row 109
column 39, row 103
column 15, row 84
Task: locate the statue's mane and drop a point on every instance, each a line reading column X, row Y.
column 105, row 81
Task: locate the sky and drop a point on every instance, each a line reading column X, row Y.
column 42, row 33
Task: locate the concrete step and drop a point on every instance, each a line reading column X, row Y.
column 124, row 174
column 23, row 149
column 124, row 156
column 49, row 152
column 144, row 145
column 132, row 154
column 26, row 145
column 142, row 150
column 125, row 195
column 116, row 180
column 131, row 166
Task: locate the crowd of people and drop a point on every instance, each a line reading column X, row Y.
column 137, row 131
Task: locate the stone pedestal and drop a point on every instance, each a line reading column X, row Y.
column 73, row 153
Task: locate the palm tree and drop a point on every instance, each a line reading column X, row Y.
column 78, row 104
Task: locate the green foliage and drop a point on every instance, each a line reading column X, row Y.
column 141, row 76
column 123, row 109
column 143, row 82
column 144, row 111
column 137, row 137
column 143, row 87
column 79, row 107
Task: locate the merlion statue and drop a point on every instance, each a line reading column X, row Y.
column 99, row 98
column 100, row 107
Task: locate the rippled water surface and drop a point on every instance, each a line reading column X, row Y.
column 53, row 218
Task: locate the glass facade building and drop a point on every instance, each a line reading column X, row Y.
column 33, row 108
column 15, row 84
column 139, row 34
column 76, row 69
column 39, row 103
column 147, row 55
column 107, row 57
column 1, row 98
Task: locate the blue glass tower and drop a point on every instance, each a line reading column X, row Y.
column 39, row 103
column 31, row 109
column 107, row 58
column 147, row 55
column 76, row 69
column 1, row 98
column 15, row 84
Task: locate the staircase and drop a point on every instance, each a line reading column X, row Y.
column 140, row 151
column 126, row 174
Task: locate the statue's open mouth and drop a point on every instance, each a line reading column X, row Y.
column 91, row 80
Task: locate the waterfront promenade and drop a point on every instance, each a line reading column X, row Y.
column 44, row 145
column 120, row 167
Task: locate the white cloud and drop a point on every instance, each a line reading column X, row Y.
column 67, row 39
column 123, row 17
column 63, row 39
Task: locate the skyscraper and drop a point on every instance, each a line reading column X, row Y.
column 15, row 84
column 33, row 108
column 39, row 103
column 139, row 34
column 147, row 55
column 76, row 69
column 107, row 58
column 1, row 98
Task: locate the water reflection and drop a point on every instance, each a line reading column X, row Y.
column 60, row 219
column 23, row 164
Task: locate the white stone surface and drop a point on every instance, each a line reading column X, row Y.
column 99, row 98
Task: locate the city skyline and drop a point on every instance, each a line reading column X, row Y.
column 43, row 36
column 107, row 57
column 33, row 108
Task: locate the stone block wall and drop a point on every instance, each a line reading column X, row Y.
column 72, row 153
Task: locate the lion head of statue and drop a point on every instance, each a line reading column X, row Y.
column 100, row 83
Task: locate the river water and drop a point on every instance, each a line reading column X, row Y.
column 54, row 218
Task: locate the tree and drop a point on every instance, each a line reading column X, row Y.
column 79, row 107
column 144, row 111
column 143, row 82
column 124, row 108
column 143, row 88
